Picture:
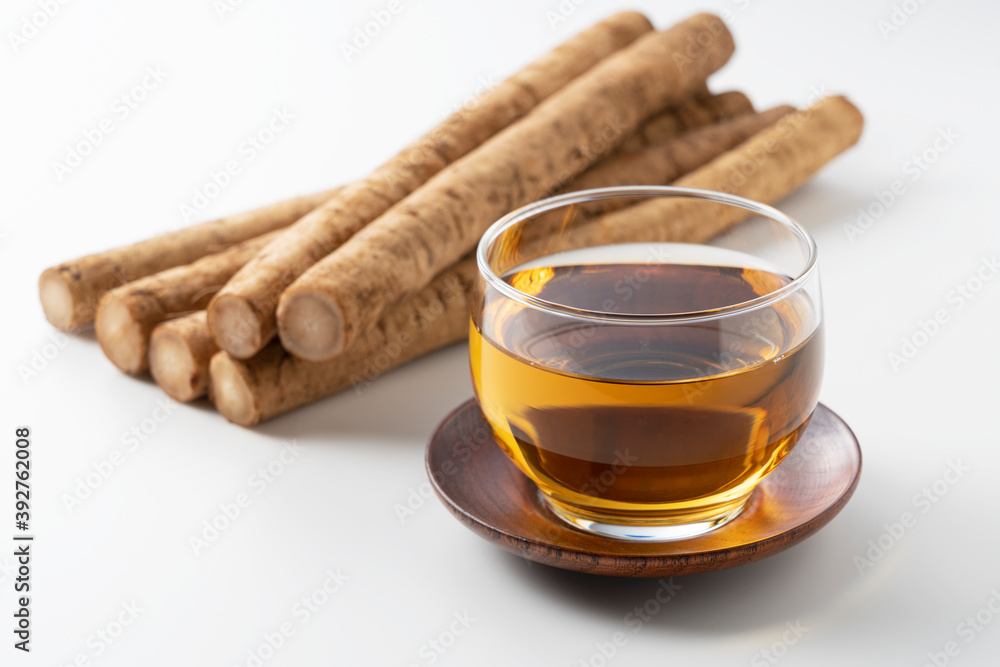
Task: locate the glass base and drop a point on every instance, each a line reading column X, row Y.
column 642, row 530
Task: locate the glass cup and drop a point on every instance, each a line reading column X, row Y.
column 646, row 355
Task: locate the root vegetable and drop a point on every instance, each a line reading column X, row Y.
column 242, row 317
column 179, row 353
column 658, row 164
column 766, row 167
column 664, row 162
column 691, row 114
column 180, row 349
column 126, row 315
column 70, row 291
column 274, row 382
column 784, row 155
column 344, row 295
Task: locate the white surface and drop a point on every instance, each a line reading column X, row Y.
column 333, row 507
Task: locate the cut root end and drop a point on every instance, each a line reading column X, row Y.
column 232, row 397
column 235, row 326
column 173, row 368
column 310, row 325
column 57, row 299
column 121, row 336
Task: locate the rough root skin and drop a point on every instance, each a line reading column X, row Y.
column 320, row 233
column 88, row 278
column 274, row 382
column 401, row 252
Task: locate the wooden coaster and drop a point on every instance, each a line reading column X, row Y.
column 482, row 487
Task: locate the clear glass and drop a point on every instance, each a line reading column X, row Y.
column 646, row 355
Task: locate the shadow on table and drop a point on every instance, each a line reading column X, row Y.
column 405, row 403
column 817, row 203
column 814, row 578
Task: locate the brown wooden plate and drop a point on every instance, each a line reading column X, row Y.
column 482, row 487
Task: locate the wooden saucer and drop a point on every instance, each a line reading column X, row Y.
column 479, row 485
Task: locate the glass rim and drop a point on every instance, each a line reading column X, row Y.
column 559, row 201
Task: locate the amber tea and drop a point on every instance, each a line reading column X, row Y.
column 646, row 355
column 659, row 423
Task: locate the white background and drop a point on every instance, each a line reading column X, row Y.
column 333, row 507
